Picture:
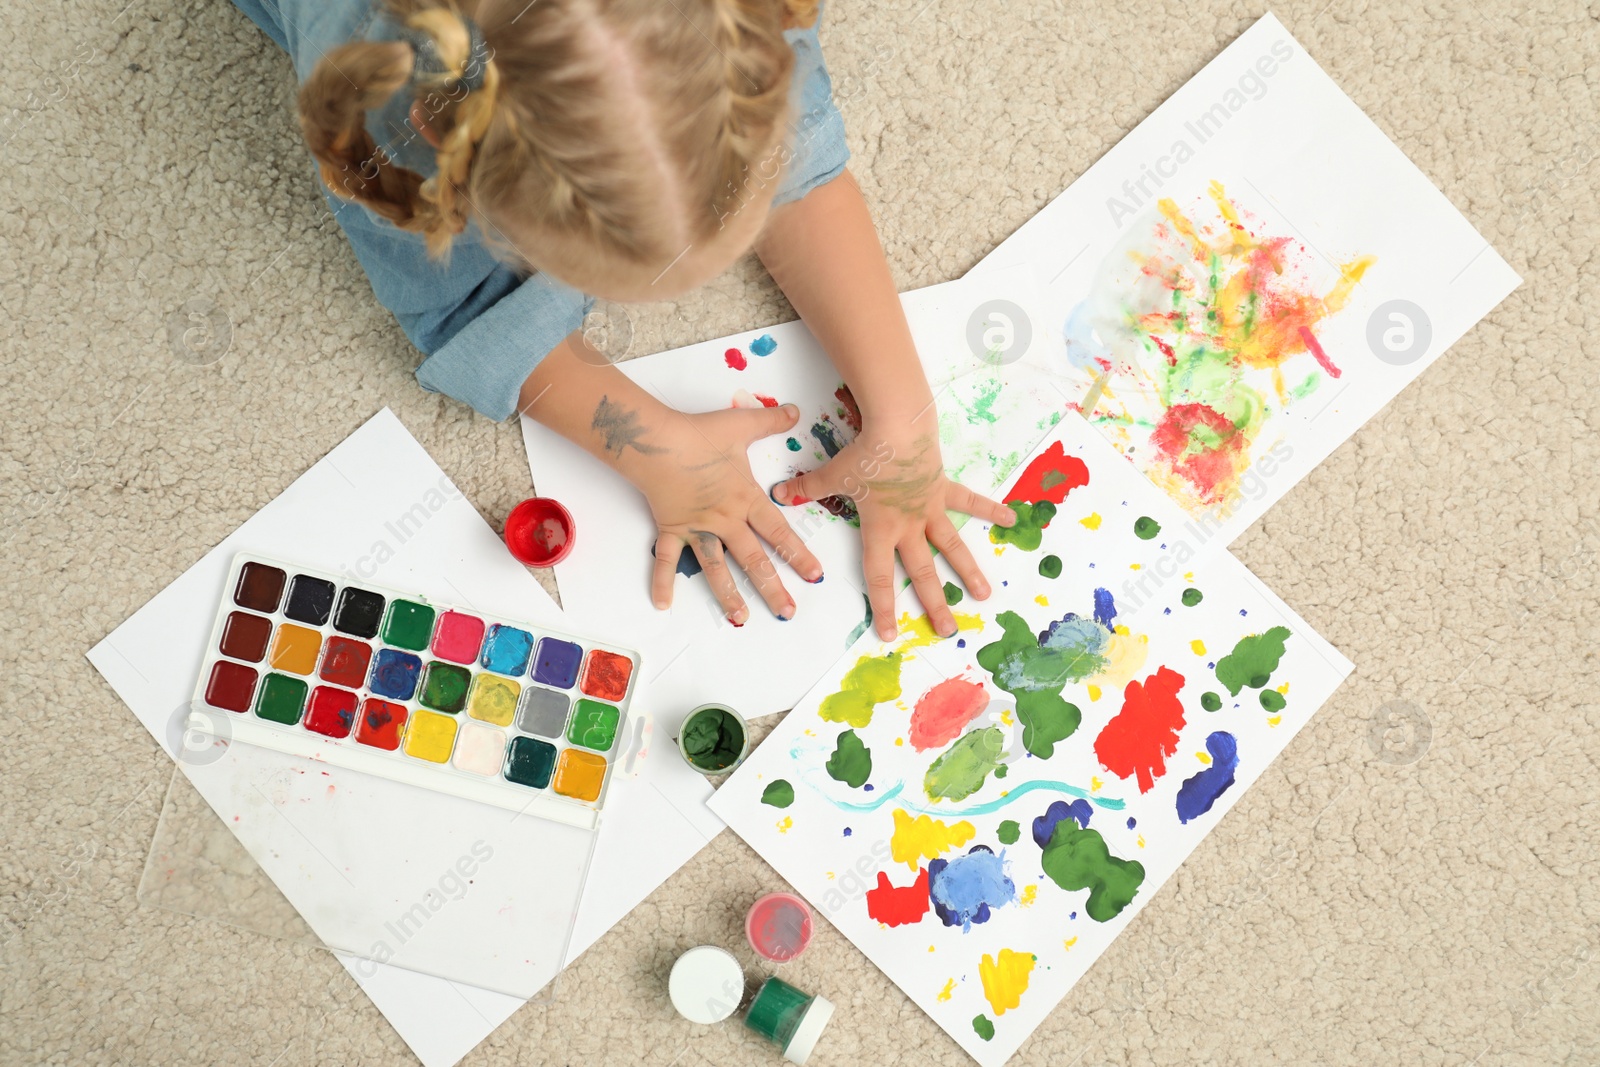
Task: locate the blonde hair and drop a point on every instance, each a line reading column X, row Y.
column 606, row 128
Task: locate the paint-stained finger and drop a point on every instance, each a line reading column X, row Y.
column 668, row 547
column 942, row 532
column 758, row 567
column 707, row 548
column 769, row 522
column 877, row 563
column 964, row 500
column 764, row 422
column 924, row 577
column 827, row 480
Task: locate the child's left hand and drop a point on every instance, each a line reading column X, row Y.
column 894, row 473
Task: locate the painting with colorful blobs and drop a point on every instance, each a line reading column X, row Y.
column 982, row 814
column 444, row 698
column 1203, row 326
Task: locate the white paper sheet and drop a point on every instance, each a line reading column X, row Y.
column 993, row 409
column 1318, row 187
column 969, row 742
column 385, row 512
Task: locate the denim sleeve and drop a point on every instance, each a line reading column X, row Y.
column 816, row 128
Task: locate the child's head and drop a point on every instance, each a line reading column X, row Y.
column 628, row 147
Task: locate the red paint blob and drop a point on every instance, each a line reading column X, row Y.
column 1316, row 350
column 735, row 359
column 944, row 711
column 539, row 532
column 898, row 906
column 779, row 927
column 852, row 411
column 766, row 401
column 1140, row 737
column 1201, row 445
column 1051, row 476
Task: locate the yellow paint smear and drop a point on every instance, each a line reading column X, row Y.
column 1094, row 692
column 1030, row 894
column 1095, row 783
column 1069, row 942
column 1006, row 979
column 1198, row 647
column 921, row 629
column 1042, row 600
column 1092, row 522
column 925, row 838
column 1203, row 757
column 785, row 824
column 949, row 989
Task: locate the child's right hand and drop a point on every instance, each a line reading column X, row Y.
column 697, row 480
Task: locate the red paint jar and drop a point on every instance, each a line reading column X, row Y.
column 539, row 532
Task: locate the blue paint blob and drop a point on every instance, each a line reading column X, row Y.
column 847, row 831
column 1105, row 609
column 1198, row 793
column 961, row 642
column 764, row 345
column 867, row 788
column 1132, row 822
column 825, row 436
column 965, row 889
column 1060, row 810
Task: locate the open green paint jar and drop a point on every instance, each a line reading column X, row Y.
column 790, row 1019
column 713, row 739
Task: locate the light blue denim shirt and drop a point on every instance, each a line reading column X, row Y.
column 483, row 325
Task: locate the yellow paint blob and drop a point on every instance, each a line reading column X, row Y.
column 494, row 699
column 1141, row 841
column 925, row 838
column 430, row 736
column 1069, row 942
column 1203, row 757
column 295, row 649
column 921, row 630
column 1092, row 521
column 949, row 989
column 785, row 824
column 1283, row 690
column 579, row 774
column 1125, row 657
column 1006, row 979
column 1198, row 647
column 1275, row 720
column 1095, row 783
column 899, row 741
column 1042, row 600
column 1030, row 894
column 1135, row 566
column 1094, row 693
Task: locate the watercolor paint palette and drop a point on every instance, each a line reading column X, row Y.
column 392, row 684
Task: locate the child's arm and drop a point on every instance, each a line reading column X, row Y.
column 693, row 469
column 824, row 253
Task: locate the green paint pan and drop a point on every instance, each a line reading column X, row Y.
column 713, row 739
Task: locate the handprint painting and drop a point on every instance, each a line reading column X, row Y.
column 1203, row 327
column 983, row 814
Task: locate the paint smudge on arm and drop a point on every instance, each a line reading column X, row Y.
column 1139, row 738
column 619, row 429
column 1200, row 792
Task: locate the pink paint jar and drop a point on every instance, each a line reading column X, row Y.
column 539, row 532
column 779, row 927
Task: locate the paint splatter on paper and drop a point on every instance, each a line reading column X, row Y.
column 961, row 769
column 870, row 682
column 1252, row 660
column 944, row 711
column 778, row 793
column 925, row 838
column 1199, row 792
column 851, row 762
column 899, row 905
column 1005, row 978
column 1140, row 738
column 965, row 889
column 1077, row 858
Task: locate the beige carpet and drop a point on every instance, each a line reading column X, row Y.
column 1353, row 909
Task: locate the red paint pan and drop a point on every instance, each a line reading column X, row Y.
column 540, row 532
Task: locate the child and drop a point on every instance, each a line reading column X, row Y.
column 493, row 162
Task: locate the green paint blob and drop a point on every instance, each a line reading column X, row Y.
column 1144, row 528
column 952, row 594
column 982, row 404
column 281, row 698
column 1035, row 676
column 1028, row 533
column 1210, row 701
column 959, row 772
column 713, row 739
column 984, row 1028
column 1273, row 700
column 794, row 446
column 851, row 762
column 1077, row 858
column 870, row 682
column 1252, row 660
column 1008, row 832
column 1001, row 771
column 1050, row 567
column 408, row 625
column 778, row 793
column 444, row 687
column 1192, row 596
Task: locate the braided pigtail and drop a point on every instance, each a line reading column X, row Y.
column 754, row 94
